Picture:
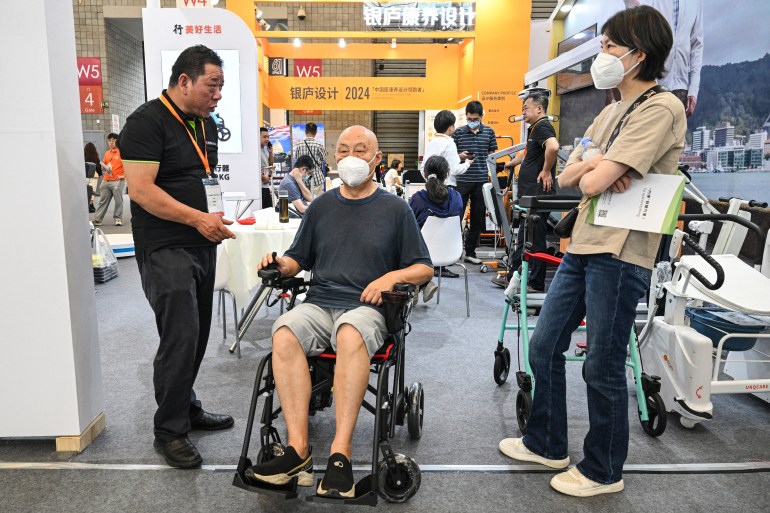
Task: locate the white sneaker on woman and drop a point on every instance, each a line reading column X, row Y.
column 515, row 448
column 573, row 482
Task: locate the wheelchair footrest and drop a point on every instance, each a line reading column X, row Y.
column 286, row 492
column 365, row 496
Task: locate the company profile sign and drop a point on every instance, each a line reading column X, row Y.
column 423, row 16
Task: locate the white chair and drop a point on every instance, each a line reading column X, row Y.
column 222, row 276
column 444, row 239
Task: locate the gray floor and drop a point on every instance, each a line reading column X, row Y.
column 466, row 415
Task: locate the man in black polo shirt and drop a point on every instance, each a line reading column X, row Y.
column 474, row 141
column 536, row 177
column 169, row 146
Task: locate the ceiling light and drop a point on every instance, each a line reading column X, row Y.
column 566, row 8
column 265, row 25
column 342, row 42
column 450, row 39
column 297, row 42
column 393, row 43
column 257, row 12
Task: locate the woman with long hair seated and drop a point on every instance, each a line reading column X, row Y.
column 436, row 200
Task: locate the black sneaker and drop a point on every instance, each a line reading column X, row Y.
column 445, row 273
column 282, row 468
column 338, row 479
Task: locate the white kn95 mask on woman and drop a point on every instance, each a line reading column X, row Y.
column 353, row 170
column 607, row 70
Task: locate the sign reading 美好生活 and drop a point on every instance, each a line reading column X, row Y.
column 423, row 16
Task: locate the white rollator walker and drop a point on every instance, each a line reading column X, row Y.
column 685, row 346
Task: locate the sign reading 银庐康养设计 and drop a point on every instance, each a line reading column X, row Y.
column 424, row 16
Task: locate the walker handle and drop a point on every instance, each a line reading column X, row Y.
column 709, row 260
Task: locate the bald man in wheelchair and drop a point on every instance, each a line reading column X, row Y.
column 359, row 241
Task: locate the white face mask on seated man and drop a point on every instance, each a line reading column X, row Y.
column 353, row 170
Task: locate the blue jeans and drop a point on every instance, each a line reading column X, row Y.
column 605, row 291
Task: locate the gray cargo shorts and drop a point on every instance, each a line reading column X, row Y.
column 316, row 327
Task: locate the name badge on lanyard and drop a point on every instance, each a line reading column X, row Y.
column 214, row 201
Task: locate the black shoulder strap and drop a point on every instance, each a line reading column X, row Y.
column 652, row 91
column 311, row 155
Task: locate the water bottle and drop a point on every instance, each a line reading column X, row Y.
column 590, row 148
column 283, row 206
column 513, row 286
column 406, row 190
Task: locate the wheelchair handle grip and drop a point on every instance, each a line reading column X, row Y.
column 709, row 260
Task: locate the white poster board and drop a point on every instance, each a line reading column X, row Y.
column 169, row 31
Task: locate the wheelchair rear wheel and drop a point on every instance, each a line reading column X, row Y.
column 502, row 366
column 399, row 478
column 657, row 418
column 415, row 411
column 523, row 409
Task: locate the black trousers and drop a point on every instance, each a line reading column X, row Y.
column 267, row 198
column 537, row 268
column 472, row 191
column 179, row 285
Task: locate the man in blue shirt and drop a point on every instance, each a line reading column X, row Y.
column 474, row 141
column 299, row 194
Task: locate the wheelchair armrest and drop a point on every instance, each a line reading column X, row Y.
column 551, row 203
column 405, row 287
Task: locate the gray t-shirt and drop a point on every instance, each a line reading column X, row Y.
column 289, row 184
column 350, row 243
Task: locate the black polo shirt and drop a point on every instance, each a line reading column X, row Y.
column 153, row 135
column 533, row 162
column 481, row 144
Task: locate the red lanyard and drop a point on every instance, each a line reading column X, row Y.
column 204, row 155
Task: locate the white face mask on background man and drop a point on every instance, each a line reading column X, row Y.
column 353, row 170
column 607, row 70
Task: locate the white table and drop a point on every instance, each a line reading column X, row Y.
column 252, row 243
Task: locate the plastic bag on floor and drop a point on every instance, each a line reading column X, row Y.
column 103, row 260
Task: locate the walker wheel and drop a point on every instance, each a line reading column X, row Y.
column 399, row 478
column 502, row 366
column 484, row 268
column 415, row 411
column 523, row 409
column 687, row 423
column 656, row 414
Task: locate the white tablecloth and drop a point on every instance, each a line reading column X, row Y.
column 252, row 243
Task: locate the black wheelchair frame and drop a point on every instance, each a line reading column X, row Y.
column 396, row 477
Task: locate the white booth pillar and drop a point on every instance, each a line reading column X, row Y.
column 50, row 374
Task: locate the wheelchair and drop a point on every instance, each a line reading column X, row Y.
column 395, row 477
column 651, row 410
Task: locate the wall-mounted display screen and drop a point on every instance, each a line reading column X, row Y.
column 579, row 75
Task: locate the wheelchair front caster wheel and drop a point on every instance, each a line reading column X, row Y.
column 656, row 416
column 523, row 409
column 484, row 268
column 414, row 411
column 687, row 423
column 502, row 366
column 399, row 478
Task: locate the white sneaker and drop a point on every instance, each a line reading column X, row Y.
column 573, row 482
column 473, row 260
column 428, row 291
column 515, row 448
column 118, row 222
